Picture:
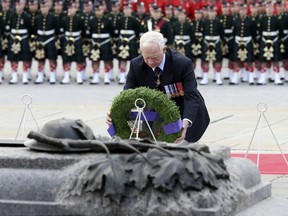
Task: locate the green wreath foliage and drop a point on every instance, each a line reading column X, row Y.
column 155, row 100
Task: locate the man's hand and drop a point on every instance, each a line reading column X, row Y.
column 108, row 119
column 185, row 125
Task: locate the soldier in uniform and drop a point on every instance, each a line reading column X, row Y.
column 2, row 61
column 142, row 16
column 242, row 53
column 169, row 15
column 33, row 11
column 227, row 21
column 72, row 46
column 197, row 24
column 129, row 29
column 160, row 24
column 46, row 30
column 212, row 51
column 283, row 17
column 183, row 33
column 86, row 16
column 59, row 13
column 115, row 16
column 270, row 31
column 18, row 49
column 101, row 29
column 5, row 13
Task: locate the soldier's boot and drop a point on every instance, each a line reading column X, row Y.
column 111, row 74
column 244, row 75
column 106, row 78
column 52, row 78
column 25, row 79
column 218, row 79
column 122, row 78
column 79, row 78
column 84, row 76
column 277, row 79
column 262, row 78
column 40, row 78
column 204, row 80
column 95, row 79
column 270, row 75
column 66, row 78
column 251, row 78
column 286, row 76
column 234, row 79
column 1, row 77
column 14, row 78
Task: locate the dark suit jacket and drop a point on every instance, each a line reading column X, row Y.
column 177, row 68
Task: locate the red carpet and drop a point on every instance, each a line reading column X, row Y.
column 268, row 163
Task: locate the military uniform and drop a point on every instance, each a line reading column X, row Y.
column 284, row 49
column 46, row 30
column 129, row 29
column 270, row 31
column 242, row 52
column 213, row 33
column 32, row 15
column 183, row 37
column 18, row 49
column 86, row 17
column 2, row 29
column 198, row 35
column 60, row 38
column 5, row 29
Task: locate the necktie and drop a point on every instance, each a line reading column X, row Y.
column 158, row 72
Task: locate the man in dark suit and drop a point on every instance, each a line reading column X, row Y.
column 161, row 68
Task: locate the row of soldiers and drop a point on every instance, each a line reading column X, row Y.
column 257, row 41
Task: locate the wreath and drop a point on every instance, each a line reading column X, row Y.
column 156, row 101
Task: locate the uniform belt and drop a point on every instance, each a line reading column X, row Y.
column 103, row 42
column 74, row 38
column 73, row 34
column 228, row 31
column 185, row 41
column 130, row 38
column 127, row 32
column 103, row 35
column 46, row 41
column 246, row 40
column 269, row 40
column 182, row 37
column 212, row 38
column 199, row 34
column 273, row 33
column 45, row 33
column 229, row 38
column 19, row 31
column 22, row 37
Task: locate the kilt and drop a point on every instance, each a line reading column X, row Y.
column 273, row 43
column 78, row 56
column 129, row 41
column 49, row 47
column 212, row 46
column 24, row 54
column 4, row 38
column 105, row 47
column 242, row 44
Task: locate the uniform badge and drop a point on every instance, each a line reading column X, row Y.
column 174, row 90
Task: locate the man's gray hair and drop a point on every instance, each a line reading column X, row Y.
column 152, row 37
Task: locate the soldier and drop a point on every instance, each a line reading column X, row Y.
column 283, row 17
column 86, row 16
column 242, row 53
column 197, row 24
column 142, row 16
column 212, row 52
column 183, row 33
column 18, row 49
column 168, row 11
column 2, row 29
column 129, row 29
column 270, row 31
column 227, row 21
column 5, row 13
column 33, row 11
column 160, row 24
column 59, row 13
column 115, row 16
column 46, row 30
column 101, row 29
column 72, row 46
